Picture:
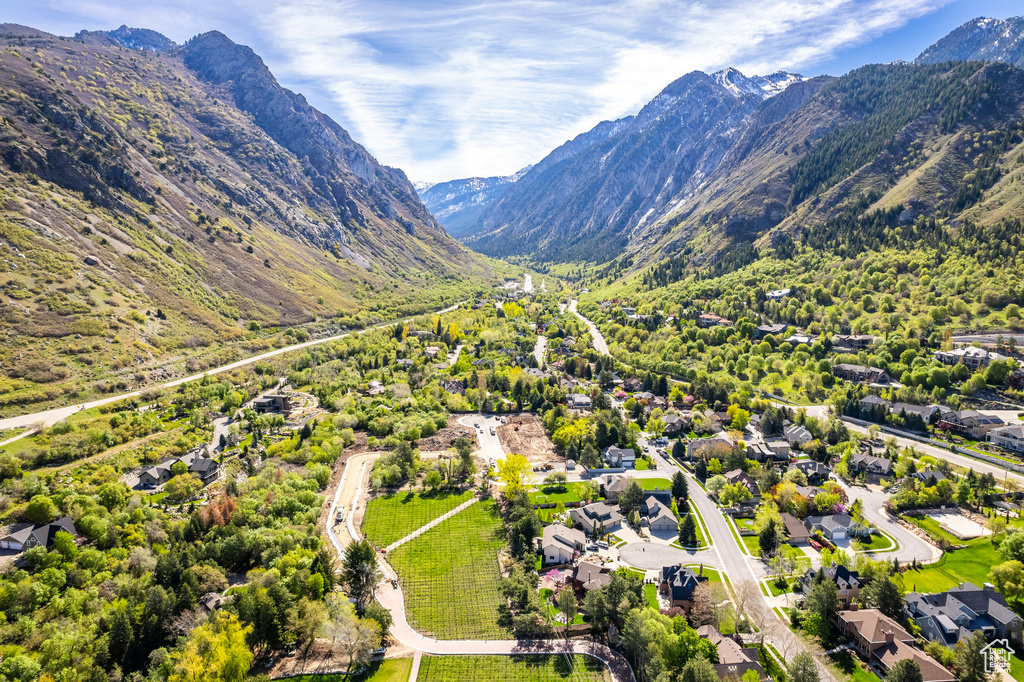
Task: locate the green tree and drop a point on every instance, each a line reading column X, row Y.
column 688, row 532
column 359, row 572
column 734, row 493
column 566, row 603
column 513, row 471
column 631, row 497
column 215, row 651
column 905, row 670
column 680, row 489
column 1008, row 577
column 885, row 595
column 803, row 668
column 40, row 509
column 968, row 658
column 768, row 540
column 699, row 670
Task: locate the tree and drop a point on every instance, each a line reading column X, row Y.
column 433, row 480
column 734, row 493
column 214, row 652
column 309, row 618
column 905, row 670
column 355, row 637
column 40, row 509
column 182, row 488
column 513, row 471
column 824, row 600
column 768, row 540
column 359, row 571
column 968, row 658
column 803, row 668
column 566, row 603
column 715, row 484
column 680, row 488
column 699, row 670
column 688, row 532
column 1008, row 577
column 631, row 497
column 1012, row 547
column 885, row 595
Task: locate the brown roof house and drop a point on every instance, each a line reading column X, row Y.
column 882, row 642
column 796, row 530
column 733, row 658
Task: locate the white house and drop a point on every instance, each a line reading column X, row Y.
column 778, row 294
column 560, row 544
column 1009, row 437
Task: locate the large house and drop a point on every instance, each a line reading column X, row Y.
column 620, row 457
column 27, row 535
column 272, row 402
column 769, row 330
column 674, row 424
column 853, row 341
column 778, row 294
column 796, row 530
column 772, row 451
column 198, row 462
column 733, row 658
column 925, row 412
column 612, row 486
column 714, row 447
column 970, row 423
column 559, row 544
column 860, row 374
column 949, row 616
column 596, row 515
column 833, row 526
column 711, row 320
column 678, row 583
column 882, row 642
column 816, row 472
column 591, row 576
column 658, row 514
column 741, row 476
column 872, row 467
column 796, row 435
column 579, row 401
column 971, row 356
column 1009, row 437
column 847, row 582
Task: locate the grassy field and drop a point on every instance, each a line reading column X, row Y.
column 390, row 670
column 553, row 494
column 652, row 483
column 510, row 669
column 931, row 526
column 962, row 565
column 392, row 517
column 450, row 576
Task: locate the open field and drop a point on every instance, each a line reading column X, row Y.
column 390, row 670
column 510, row 669
column 530, row 441
column 962, row 565
column 932, row 527
column 449, row 576
column 655, row 483
column 960, row 526
column 392, row 517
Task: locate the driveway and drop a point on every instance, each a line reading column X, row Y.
column 652, row 556
column 910, row 546
column 490, row 446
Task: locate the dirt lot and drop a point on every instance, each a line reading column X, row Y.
column 443, row 439
column 530, row 440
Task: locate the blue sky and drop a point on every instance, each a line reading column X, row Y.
column 456, row 88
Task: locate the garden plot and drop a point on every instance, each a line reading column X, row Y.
column 531, row 668
column 392, row 516
column 960, row 526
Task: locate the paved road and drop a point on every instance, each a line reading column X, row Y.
column 599, row 343
column 490, row 446
column 49, row 417
column 528, row 284
column 453, row 357
column 911, row 547
column 538, row 349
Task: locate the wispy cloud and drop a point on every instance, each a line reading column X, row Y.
column 478, row 87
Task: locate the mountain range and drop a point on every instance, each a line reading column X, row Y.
column 720, row 161
column 162, row 201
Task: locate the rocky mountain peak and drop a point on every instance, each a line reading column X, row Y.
column 133, row 38
column 764, row 87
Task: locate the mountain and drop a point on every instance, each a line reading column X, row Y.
column 587, row 199
column 994, row 40
column 133, row 38
column 161, row 206
column 458, row 204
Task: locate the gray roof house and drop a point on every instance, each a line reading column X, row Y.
column 620, row 457
column 659, row 515
column 796, row 435
column 832, row 526
column 948, row 616
column 596, row 515
column 27, row 536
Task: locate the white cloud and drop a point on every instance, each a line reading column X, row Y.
column 453, row 88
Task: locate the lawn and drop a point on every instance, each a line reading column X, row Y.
column 877, row 542
column 960, row 565
column 390, row 670
column 775, row 590
column 713, row 576
column 846, row 662
column 652, row 483
column 651, row 592
column 392, row 517
column 449, row 576
column 555, row 493
column 510, row 669
column 642, row 465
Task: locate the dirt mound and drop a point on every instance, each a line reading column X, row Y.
column 524, row 435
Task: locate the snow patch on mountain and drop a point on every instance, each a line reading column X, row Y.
column 764, row 87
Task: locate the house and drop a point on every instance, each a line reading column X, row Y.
column 778, row 294
column 206, row 468
column 431, row 351
column 27, row 535
column 453, row 386
column 590, row 576
column 620, row 457
column 272, row 402
column 973, row 357
column 579, row 401
column 799, row 339
column 632, row 384
column 156, row 475
column 711, row 320
column 659, row 515
column 211, row 601
column 374, row 388
column 882, row 642
column 780, row 450
column 678, row 583
column 599, row 516
column 929, row 476
column 674, row 424
column 832, row 526
column 853, row 341
column 948, row 617
column 1009, row 437
column 796, row 530
column 613, row 486
column 559, row 544
column 715, row 446
column 872, row 467
column 733, row 658
column 774, row 451
column 970, row 423
column 764, row 330
column 861, row 374
column 741, row 476
column 816, row 472
column 873, row 400
column 796, row 435
column 847, row 582
column 810, row 492
column 404, row 362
